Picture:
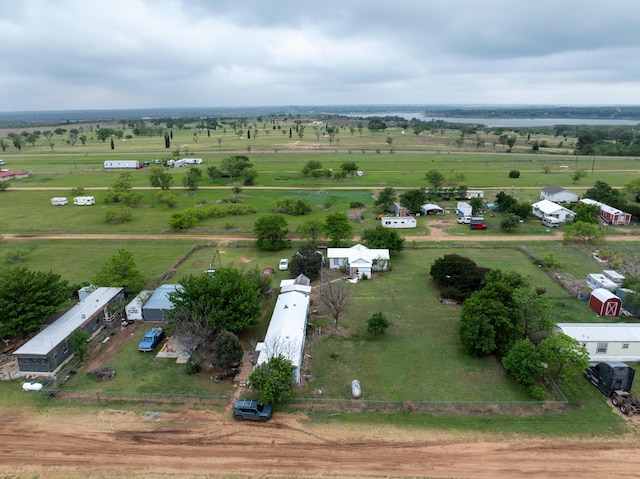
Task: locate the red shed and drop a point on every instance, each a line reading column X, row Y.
column 605, row 303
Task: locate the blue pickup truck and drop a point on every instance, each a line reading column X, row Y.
column 150, row 340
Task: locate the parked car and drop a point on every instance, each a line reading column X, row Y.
column 250, row 409
column 478, row 226
column 283, row 265
column 268, row 272
column 465, row 220
column 150, row 340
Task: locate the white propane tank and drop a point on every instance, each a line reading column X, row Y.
column 356, row 391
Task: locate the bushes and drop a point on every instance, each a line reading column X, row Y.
column 190, row 217
column 290, row 206
column 514, row 174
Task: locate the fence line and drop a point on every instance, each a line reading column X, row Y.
column 315, row 405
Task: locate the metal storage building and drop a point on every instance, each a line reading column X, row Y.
column 158, row 305
column 48, row 350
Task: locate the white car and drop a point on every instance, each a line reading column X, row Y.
column 283, row 265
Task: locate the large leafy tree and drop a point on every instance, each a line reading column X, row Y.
column 307, row 261
column 338, row 227
column 435, row 179
column 273, row 380
column 581, row 232
column 159, row 178
column 120, row 270
column 271, row 232
column 234, row 165
column 604, row 193
column 523, row 362
column 480, row 318
column 457, row 276
column 227, row 300
column 311, row 166
column 586, row 213
column 386, row 198
column 564, row 356
column 27, row 298
column 381, row 237
column 227, row 351
column 413, row 199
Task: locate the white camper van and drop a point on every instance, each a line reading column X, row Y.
column 84, row 200
column 550, row 221
column 59, row 201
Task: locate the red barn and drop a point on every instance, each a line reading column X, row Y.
column 605, row 303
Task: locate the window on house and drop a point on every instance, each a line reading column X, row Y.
column 65, row 348
column 602, row 348
column 625, row 346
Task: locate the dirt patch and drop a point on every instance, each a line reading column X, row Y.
column 193, row 444
column 245, row 260
column 100, row 357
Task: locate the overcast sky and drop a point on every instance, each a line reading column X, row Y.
column 95, row 54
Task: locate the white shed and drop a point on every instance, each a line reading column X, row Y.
column 606, row 341
column 133, row 310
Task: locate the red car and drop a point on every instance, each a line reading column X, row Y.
column 480, row 226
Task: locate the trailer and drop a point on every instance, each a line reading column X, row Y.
column 614, row 379
column 118, row 164
column 84, row 200
column 192, row 161
column 59, row 201
column 398, row 222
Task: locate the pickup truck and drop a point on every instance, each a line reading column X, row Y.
column 150, row 340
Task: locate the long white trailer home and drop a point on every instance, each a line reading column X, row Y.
column 398, row 221
column 116, row 164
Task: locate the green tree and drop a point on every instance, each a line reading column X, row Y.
column 233, row 166
column 586, row 213
column 159, row 178
column 413, row 199
column 565, row 357
column 457, row 276
column 190, row 181
column 533, row 312
column 381, row 237
column 120, row 270
column 377, row 324
column 349, row 167
column 477, row 324
column 227, row 351
column 312, row 229
column 633, row 186
column 521, row 209
column 167, row 197
column 122, row 191
column 504, row 201
column 510, row 222
column 580, row 232
column 523, row 363
column 228, row 300
column 78, row 339
column 476, row 204
column 120, row 214
column 271, row 232
column 27, row 298
column 307, row 261
column 310, row 166
column 273, row 380
column 604, row 193
column 578, row 175
column 386, row 198
column 435, row 179
column 338, row 227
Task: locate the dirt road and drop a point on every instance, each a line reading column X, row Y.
column 198, row 444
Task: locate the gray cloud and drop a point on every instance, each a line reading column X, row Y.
column 74, row 54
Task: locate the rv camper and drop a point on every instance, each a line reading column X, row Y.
column 59, row 201
column 84, row 200
column 398, row 221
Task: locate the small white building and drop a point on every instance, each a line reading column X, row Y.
column 287, row 329
column 558, row 195
column 464, row 209
column 546, row 208
column 605, row 341
column 133, row 310
column 359, row 260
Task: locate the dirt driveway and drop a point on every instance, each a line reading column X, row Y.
column 206, row 444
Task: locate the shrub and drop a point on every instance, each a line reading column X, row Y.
column 514, row 174
column 356, row 204
column 536, row 393
column 121, row 214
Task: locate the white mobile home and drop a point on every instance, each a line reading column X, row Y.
column 398, row 222
column 474, row 194
column 179, row 163
column 192, row 161
column 605, row 341
column 111, row 164
column 595, row 281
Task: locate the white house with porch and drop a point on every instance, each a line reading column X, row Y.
column 548, row 209
column 359, row 260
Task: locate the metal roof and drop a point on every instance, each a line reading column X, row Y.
column 602, row 332
column 47, row 339
column 160, row 297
